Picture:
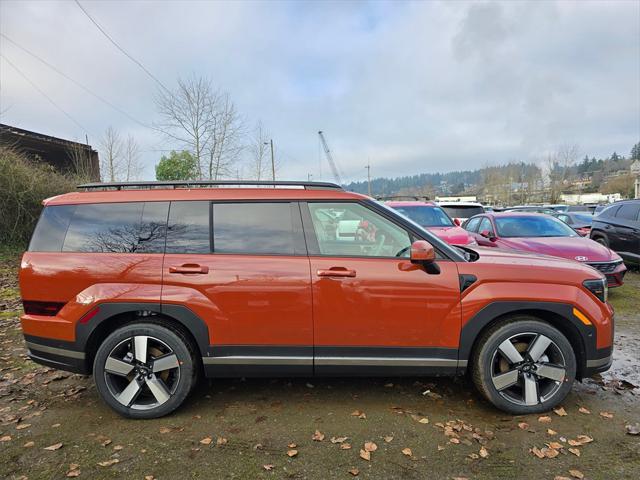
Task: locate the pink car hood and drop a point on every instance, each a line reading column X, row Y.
column 572, row 248
column 451, row 235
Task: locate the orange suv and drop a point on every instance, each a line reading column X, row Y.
column 148, row 285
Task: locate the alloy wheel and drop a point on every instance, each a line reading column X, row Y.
column 528, row 369
column 142, row 372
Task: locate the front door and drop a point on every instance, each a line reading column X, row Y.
column 247, row 277
column 374, row 311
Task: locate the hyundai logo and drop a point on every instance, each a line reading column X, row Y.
column 581, row 258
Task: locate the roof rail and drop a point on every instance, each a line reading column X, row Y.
column 206, row 184
column 421, row 198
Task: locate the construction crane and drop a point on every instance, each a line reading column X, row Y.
column 332, row 163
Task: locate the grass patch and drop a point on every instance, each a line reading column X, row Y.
column 626, row 299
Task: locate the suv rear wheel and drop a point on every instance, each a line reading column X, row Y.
column 144, row 370
column 524, row 365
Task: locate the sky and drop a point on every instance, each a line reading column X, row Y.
column 409, row 87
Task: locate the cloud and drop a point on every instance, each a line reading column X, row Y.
column 410, row 87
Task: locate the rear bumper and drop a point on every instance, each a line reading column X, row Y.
column 57, row 354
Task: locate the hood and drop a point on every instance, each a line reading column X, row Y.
column 572, row 248
column 451, row 235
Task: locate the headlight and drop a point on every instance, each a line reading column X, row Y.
column 599, row 288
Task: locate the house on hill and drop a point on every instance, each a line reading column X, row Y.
column 65, row 155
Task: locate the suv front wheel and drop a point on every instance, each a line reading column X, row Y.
column 144, row 370
column 524, row 365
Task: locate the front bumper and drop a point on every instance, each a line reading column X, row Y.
column 601, row 363
column 614, row 271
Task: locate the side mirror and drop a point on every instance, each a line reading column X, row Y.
column 423, row 253
column 487, row 234
column 457, row 222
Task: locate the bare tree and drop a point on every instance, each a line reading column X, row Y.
column 226, row 141
column 558, row 165
column 131, row 167
column 259, row 154
column 111, row 155
column 80, row 156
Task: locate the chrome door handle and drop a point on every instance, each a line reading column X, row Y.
column 189, row 268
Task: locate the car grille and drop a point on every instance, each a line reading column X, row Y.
column 605, row 267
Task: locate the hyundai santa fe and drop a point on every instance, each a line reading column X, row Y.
column 148, row 286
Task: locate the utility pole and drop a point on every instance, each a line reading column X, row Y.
column 368, row 167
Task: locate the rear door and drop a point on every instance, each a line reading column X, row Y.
column 374, row 311
column 627, row 229
column 242, row 268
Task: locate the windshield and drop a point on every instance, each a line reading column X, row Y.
column 584, row 218
column 462, row 211
column 533, row 226
column 427, row 216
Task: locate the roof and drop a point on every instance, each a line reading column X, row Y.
column 171, row 194
column 408, row 203
column 460, row 204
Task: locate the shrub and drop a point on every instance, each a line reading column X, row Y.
column 23, row 186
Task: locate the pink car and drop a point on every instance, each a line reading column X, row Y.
column 433, row 218
column 539, row 233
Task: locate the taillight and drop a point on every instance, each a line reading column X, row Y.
column 48, row 309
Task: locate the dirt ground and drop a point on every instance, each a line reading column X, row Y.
column 53, row 425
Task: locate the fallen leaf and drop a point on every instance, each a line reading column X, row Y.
column 576, row 474
column 560, row 412
column 584, row 410
column 388, row 385
column 423, row 420
column 359, row 414
column 149, row 477
column 338, row 439
column 551, row 432
column 633, row 429
column 537, row 452
column 73, row 473
column 206, row 441
column 544, row 419
column 388, row 439
column 165, row 430
column 484, row 453
column 440, row 448
column 292, row 453
column 523, row 425
column 29, row 444
column 117, row 448
column 55, row 425
column 55, row 446
column 221, row 441
column 106, row 442
column 22, row 426
column 454, row 440
column 606, row 415
column 365, row 455
column 560, row 477
column 6, row 438
column 407, row 452
column 318, row 436
column 268, row 467
column 550, row 452
column 370, row 446
column 575, row 451
column 555, row 445
column 354, row 472
column 345, row 446
column 108, row 463
column 292, row 445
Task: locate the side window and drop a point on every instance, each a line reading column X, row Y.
column 472, row 225
column 188, row 227
column 609, row 212
column 485, row 224
column 350, row 229
column 105, row 228
column 49, row 233
column 256, row 228
column 628, row 211
column 566, row 219
column 153, row 227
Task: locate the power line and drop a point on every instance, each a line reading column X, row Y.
column 86, row 89
column 151, row 75
column 42, row 93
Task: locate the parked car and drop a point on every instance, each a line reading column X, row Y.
column 148, row 285
column 618, row 227
column 432, row 217
column 539, row 233
column 579, row 221
column 531, row 209
column 558, row 207
column 461, row 211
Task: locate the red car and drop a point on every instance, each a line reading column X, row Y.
column 539, row 233
column 433, row 218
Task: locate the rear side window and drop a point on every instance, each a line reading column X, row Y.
column 472, row 225
column 486, row 225
column 255, row 228
column 117, row 228
column 188, row 228
column 51, row 228
column 628, row 211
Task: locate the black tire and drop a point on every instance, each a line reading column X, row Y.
column 155, row 389
column 491, row 367
column 601, row 239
